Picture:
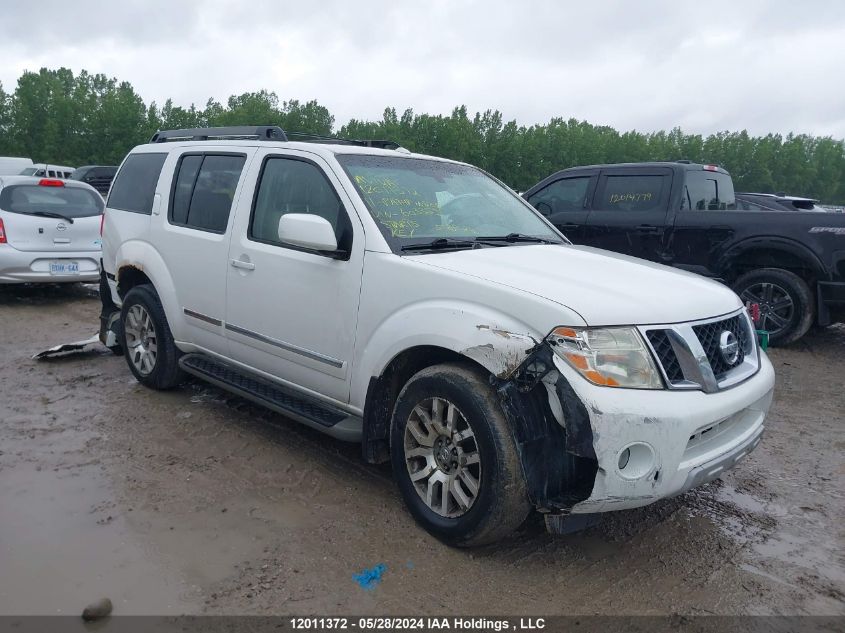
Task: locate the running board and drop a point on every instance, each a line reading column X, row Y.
column 309, row 411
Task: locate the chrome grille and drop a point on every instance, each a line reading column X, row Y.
column 708, row 335
column 689, row 354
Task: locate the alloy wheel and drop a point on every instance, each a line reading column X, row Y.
column 776, row 305
column 141, row 339
column 442, row 457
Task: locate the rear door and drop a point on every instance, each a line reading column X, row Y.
column 193, row 236
column 54, row 217
column 564, row 202
column 629, row 211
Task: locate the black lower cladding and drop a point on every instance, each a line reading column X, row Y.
column 261, row 390
column 559, row 463
column 709, row 335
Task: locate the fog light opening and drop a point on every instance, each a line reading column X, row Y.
column 636, row 460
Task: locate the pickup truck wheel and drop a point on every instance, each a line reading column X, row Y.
column 454, row 457
column 148, row 345
column 787, row 309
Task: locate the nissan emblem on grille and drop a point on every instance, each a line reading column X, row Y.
column 729, row 347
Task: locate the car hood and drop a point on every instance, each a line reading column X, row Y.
column 605, row 288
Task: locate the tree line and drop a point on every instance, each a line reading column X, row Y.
column 59, row 117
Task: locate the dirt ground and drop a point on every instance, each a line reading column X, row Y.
column 194, row 501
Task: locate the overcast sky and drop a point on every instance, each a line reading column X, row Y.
column 705, row 66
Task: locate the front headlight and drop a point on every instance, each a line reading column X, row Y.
column 612, row 357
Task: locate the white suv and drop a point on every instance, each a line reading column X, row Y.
column 418, row 306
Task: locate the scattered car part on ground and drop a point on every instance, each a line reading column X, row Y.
column 49, row 230
column 687, row 216
column 66, row 349
column 419, row 307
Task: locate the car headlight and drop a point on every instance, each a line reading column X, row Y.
column 611, row 357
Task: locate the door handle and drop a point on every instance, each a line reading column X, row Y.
column 648, row 229
column 239, row 263
column 568, row 225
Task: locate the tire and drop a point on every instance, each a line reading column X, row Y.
column 150, row 352
column 787, row 304
column 463, row 395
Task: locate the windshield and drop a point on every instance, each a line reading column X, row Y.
column 69, row 202
column 415, row 201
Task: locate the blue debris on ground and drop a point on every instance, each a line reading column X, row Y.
column 369, row 578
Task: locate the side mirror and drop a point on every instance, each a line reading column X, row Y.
column 307, row 231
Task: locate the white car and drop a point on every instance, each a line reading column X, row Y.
column 49, row 230
column 418, row 306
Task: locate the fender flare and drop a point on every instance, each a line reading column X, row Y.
column 790, row 246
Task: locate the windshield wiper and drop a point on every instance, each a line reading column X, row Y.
column 517, row 237
column 50, row 214
column 441, row 243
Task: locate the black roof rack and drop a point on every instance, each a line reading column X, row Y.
column 305, row 137
column 250, row 132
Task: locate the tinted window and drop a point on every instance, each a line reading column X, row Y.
column 631, row 193
column 561, row 196
column 295, row 186
column 708, row 191
column 183, row 187
column 71, row 202
column 135, row 185
column 204, row 190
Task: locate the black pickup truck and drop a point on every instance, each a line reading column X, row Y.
column 791, row 263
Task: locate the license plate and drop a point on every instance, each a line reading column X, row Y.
column 64, row 268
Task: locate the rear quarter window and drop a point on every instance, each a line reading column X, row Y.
column 134, row 188
column 708, row 191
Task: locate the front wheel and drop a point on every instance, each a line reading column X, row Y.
column 148, row 346
column 786, row 302
column 455, row 459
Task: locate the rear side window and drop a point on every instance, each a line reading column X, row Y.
column 70, row 202
column 708, row 191
column 296, row 186
column 630, row 193
column 203, row 190
column 135, row 185
column 564, row 195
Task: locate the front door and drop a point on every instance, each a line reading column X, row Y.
column 629, row 212
column 291, row 312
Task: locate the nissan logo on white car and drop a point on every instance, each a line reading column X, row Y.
column 61, row 226
column 729, row 347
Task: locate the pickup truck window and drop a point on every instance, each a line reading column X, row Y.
column 203, row 190
column 414, row 200
column 708, row 191
column 630, row 193
column 291, row 185
column 566, row 194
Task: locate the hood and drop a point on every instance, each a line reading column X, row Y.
column 605, row 288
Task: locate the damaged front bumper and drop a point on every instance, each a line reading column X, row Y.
column 653, row 444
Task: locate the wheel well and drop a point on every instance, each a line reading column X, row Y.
column 771, row 258
column 384, row 389
column 128, row 277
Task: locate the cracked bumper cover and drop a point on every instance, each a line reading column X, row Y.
column 694, row 437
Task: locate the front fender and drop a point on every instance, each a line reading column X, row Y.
column 495, row 340
column 144, row 257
